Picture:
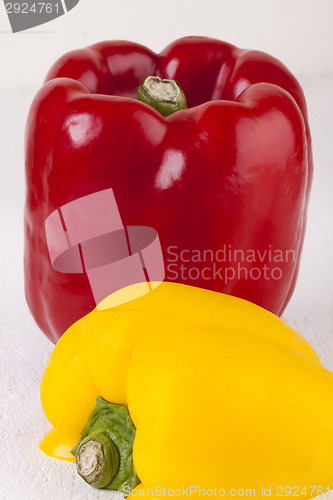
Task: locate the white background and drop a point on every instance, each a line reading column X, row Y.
column 298, row 32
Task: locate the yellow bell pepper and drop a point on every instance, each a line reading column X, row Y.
column 222, row 393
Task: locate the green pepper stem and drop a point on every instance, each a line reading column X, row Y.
column 104, row 453
column 166, row 96
column 97, row 460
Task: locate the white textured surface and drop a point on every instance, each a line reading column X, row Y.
column 298, row 32
column 25, row 473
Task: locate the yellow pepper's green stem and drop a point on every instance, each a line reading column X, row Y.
column 97, row 460
column 166, row 96
column 104, row 453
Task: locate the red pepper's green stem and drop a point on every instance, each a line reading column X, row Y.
column 104, row 453
column 166, row 96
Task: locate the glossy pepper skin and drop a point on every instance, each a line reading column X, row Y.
column 221, row 392
column 233, row 171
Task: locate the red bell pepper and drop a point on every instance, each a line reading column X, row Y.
column 225, row 182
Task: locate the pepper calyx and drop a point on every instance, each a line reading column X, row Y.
column 166, row 96
column 104, row 453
